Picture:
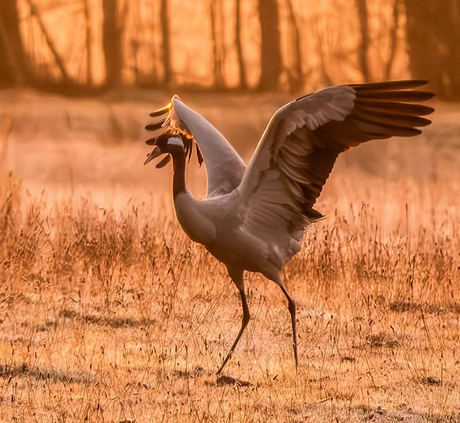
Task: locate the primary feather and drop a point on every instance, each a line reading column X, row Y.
column 301, row 143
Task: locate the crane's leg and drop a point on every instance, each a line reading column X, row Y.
column 237, row 278
column 292, row 310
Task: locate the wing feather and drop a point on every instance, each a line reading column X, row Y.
column 299, row 147
column 224, row 166
column 393, row 107
column 377, row 129
column 389, row 85
column 391, row 119
column 396, row 95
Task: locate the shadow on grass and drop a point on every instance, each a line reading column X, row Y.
column 364, row 413
column 45, row 374
column 407, row 306
column 379, row 414
column 113, row 322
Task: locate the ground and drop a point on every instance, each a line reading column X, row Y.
column 109, row 313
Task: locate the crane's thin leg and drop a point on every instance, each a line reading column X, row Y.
column 237, row 278
column 292, row 310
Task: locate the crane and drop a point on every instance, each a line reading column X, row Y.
column 253, row 217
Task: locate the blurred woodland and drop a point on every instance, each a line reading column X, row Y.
column 83, row 47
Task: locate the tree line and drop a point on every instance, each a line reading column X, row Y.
column 288, row 59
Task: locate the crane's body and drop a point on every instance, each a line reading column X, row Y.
column 217, row 224
column 254, row 217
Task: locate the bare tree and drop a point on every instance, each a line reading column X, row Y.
column 321, row 43
column 270, row 47
column 166, row 43
column 135, row 36
column 62, row 66
column 243, row 83
column 221, row 36
column 13, row 59
column 89, row 42
column 296, row 79
column 153, row 44
column 112, row 36
column 393, row 39
column 363, row 17
column 217, row 54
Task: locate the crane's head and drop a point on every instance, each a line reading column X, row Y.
column 170, row 143
column 169, row 137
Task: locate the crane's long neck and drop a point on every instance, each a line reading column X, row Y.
column 190, row 212
column 179, row 174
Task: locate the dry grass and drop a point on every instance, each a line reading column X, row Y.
column 109, row 313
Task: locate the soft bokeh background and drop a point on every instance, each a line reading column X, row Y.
column 84, row 46
column 80, row 76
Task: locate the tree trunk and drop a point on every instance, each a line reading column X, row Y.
column 112, row 36
column 134, row 39
column 270, row 47
column 393, row 40
column 433, row 34
column 217, row 59
column 49, row 41
column 317, row 33
column 13, row 60
column 363, row 17
column 88, row 42
column 243, row 83
column 166, row 43
column 221, row 36
column 296, row 77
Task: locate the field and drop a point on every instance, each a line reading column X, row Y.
column 108, row 313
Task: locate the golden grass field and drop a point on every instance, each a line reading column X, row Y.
column 108, row 313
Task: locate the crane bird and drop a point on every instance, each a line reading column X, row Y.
column 254, row 216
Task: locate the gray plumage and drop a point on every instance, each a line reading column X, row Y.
column 253, row 218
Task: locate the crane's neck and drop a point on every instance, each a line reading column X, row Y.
column 190, row 213
column 179, row 174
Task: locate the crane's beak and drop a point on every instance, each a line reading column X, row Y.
column 152, row 155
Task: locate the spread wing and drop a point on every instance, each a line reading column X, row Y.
column 224, row 167
column 300, row 145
